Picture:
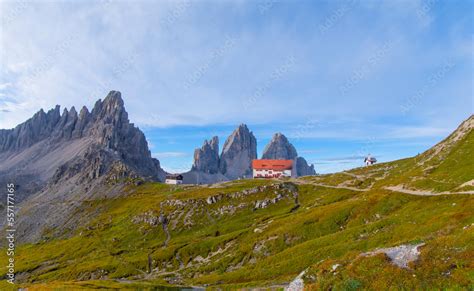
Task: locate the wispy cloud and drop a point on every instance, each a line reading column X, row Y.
column 188, row 45
column 3, row 86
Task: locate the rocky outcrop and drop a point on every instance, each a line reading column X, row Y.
column 239, row 150
column 279, row 148
column 303, row 169
column 401, row 255
column 206, row 159
column 234, row 162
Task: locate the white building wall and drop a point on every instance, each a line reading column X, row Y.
column 173, row 181
column 264, row 173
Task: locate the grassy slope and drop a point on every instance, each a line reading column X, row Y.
column 269, row 247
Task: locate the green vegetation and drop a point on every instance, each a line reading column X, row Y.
column 325, row 229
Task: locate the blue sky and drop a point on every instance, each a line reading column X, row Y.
column 339, row 78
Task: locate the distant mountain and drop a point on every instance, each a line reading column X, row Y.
column 279, row 148
column 235, row 161
column 236, row 158
column 55, row 154
column 205, row 169
column 206, row 159
column 239, row 150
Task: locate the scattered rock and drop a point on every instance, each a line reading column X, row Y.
column 297, row 284
column 401, row 255
column 334, row 267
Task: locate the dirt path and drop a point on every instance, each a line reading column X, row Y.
column 398, row 188
column 341, row 187
column 468, row 183
column 334, row 187
column 401, row 189
column 360, row 177
column 167, row 232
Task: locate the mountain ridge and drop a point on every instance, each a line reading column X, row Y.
column 72, row 157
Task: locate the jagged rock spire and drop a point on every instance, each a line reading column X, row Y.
column 239, row 150
column 206, row 159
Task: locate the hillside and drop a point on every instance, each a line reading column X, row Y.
column 407, row 224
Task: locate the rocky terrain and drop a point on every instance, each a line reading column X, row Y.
column 57, row 158
column 343, row 231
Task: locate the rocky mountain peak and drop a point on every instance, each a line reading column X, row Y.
column 111, row 109
column 206, row 159
column 84, row 113
column 106, row 129
column 72, row 111
column 239, row 150
column 279, row 148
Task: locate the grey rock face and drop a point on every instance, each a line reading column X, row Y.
column 53, row 145
column 71, row 157
column 206, row 159
column 303, row 169
column 33, row 130
column 279, row 148
column 236, row 158
column 239, row 150
column 109, row 127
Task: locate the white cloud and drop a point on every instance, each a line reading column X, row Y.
column 148, row 50
column 4, row 86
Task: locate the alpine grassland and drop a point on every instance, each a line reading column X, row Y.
column 263, row 233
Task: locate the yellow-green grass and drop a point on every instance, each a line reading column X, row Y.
column 330, row 225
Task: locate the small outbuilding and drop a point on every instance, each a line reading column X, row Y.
column 174, row 179
column 370, row 160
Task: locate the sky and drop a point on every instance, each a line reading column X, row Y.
column 340, row 79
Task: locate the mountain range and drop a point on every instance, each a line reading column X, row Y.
column 52, row 147
column 235, row 161
column 73, row 155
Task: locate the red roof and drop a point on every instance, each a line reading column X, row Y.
column 278, row 165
